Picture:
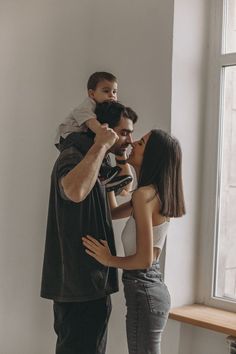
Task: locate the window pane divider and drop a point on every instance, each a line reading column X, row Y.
column 228, row 59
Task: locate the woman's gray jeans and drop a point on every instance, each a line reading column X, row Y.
column 148, row 305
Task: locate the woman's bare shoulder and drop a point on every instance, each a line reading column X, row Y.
column 145, row 193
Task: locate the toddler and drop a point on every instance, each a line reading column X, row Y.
column 101, row 86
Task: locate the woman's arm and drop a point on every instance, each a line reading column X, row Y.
column 118, row 211
column 143, row 257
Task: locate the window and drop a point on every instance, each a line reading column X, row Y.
column 225, row 250
column 229, row 27
column 222, row 152
column 225, row 267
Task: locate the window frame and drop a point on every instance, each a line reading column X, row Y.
column 213, row 159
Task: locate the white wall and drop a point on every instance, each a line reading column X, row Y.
column 133, row 39
column 187, row 339
column 48, row 50
column 42, row 72
column 188, row 119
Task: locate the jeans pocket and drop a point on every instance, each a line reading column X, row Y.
column 158, row 298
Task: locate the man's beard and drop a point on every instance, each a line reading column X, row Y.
column 119, row 151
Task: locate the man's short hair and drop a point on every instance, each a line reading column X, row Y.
column 110, row 112
column 99, row 76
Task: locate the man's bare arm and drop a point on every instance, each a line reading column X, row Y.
column 119, row 211
column 78, row 183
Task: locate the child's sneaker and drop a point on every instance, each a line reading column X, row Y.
column 108, row 173
column 117, row 183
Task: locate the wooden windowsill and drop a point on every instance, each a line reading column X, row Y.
column 206, row 317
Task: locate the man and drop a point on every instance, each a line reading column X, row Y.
column 80, row 286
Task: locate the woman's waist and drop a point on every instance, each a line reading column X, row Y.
column 152, row 274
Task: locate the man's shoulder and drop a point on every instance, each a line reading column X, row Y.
column 70, row 153
column 71, row 150
column 67, row 160
column 80, row 141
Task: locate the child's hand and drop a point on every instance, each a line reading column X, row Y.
column 98, row 250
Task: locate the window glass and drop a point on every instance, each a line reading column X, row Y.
column 225, row 275
column 229, row 41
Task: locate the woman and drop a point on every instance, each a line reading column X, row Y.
column 156, row 159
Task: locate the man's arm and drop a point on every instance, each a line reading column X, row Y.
column 78, row 183
column 118, row 211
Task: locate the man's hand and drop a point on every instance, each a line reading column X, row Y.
column 105, row 136
column 79, row 181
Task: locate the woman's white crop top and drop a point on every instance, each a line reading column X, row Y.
column 128, row 236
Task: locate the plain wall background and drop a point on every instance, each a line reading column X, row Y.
column 190, row 65
column 48, row 50
column 158, row 50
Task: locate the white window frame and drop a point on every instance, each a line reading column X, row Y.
column 212, row 159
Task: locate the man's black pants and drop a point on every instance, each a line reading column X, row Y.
column 81, row 327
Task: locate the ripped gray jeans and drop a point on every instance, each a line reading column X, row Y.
column 148, row 305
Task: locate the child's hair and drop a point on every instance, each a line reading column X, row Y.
column 162, row 167
column 110, row 112
column 99, row 76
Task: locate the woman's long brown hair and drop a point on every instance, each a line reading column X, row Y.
column 162, row 167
